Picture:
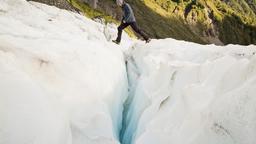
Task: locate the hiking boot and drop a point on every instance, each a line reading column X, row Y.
column 115, row 41
column 148, row 40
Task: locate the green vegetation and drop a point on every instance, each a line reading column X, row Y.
column 95, row 13
column 90, row 12
column 233, row 21
column 201, row 21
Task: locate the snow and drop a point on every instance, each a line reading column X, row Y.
column 61, row 82
column 64, row 82
column 186, row 93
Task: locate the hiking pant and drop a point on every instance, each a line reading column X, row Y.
column 134, row 27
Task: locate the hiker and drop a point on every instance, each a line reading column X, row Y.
column 128, row 20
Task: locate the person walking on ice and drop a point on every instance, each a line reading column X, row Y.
column 128, row 20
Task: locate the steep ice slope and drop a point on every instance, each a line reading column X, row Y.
column 185, row 93
column 61, row 81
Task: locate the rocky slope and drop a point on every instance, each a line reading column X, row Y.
column 63, row 4
column 201, row 21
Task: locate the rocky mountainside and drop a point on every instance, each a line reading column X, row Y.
column 63, row 4
column 202, row 21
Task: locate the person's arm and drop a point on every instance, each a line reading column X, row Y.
column 122, row 21
column 127, row 13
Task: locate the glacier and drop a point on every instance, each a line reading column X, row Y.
column 64, row 82
column 61, row 81
column 186, row 93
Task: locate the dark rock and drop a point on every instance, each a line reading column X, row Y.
column 62, row 4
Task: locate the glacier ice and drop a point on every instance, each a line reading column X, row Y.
column 186, row 93
column 63, row 82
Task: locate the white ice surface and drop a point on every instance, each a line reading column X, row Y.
column 186, row 93
column 63, row 82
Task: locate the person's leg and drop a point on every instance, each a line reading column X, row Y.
column 139, row 31
column 120, row 30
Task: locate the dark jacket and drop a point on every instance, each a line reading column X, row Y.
column 128, row 13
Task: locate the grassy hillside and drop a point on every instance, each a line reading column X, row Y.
column 99, row 13
column 231, row 21
column 201, row 21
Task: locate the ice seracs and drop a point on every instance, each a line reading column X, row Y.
column 186, row 93
column 61, row 82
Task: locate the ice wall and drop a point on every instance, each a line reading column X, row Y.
column 61, row 81
column 185, row 93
